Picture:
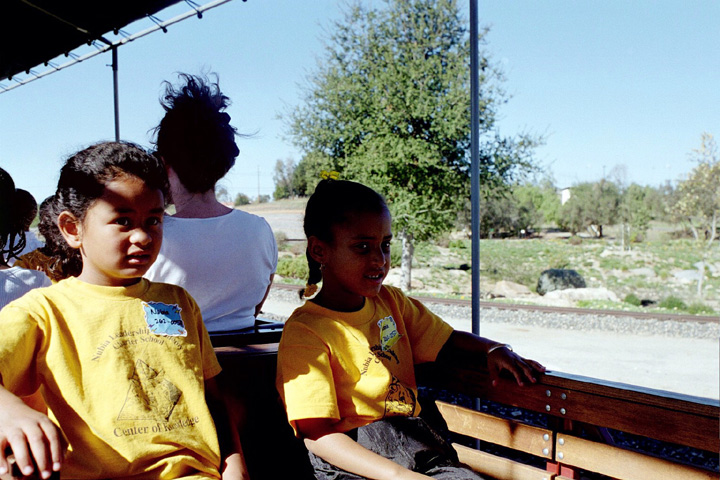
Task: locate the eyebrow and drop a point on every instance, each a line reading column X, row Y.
column 131, row 210
column 369, row 237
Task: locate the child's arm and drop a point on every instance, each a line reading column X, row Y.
column 233, row 461
column 343, row 452
column 30, row 435
column 463, row 347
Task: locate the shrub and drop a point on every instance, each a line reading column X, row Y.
column 280, row 239
column 395, row 254
column 633, row 299
column 241, row 199
column 700, row 309
column 293, row 267
column 672, row 303
column 459, row 244
column 575, row 240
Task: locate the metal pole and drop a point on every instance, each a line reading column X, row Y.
column 115, row 92
column 474, row 165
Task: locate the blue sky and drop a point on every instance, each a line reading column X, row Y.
column 609, row 83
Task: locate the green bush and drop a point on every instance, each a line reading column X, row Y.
column 395, row 254
column 293, row 267
column 575, row 240
column 459, row 244
column 672, row 303
column 632, row 299
column 280, row 239
column 700, row 309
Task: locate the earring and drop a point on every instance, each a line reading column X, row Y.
column 322, row 267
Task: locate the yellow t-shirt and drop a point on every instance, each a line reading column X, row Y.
column 122, row 371
column 357, row 367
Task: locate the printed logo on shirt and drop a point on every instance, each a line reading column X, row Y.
column 164, row 319
column 150, row 396
column 389, row 334
column 400, row 400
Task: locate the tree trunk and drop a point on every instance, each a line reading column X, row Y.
column 701, row 277
column 406, row 260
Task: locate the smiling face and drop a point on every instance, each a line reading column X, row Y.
column 120, row 236
column 356, row 261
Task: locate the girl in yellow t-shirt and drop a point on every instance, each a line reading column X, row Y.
column 124, row 365
column 346, row 358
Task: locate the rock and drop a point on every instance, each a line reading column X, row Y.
column 559, row 279
column 576, row 294
column 686, row 276
column 507, row 289
column 644, row 272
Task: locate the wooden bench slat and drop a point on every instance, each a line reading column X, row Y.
column 518, row 436
column 499, row 467
column 618, row 463
column 676, row 418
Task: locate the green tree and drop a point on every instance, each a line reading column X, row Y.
column 241, row 199
column 389, row 106
column 307, row 172
column 591, row 205
column 636, row 211
column 283, row 178
column 697, row 199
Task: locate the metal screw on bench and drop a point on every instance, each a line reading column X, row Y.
column 547, row 407
column 548, row 393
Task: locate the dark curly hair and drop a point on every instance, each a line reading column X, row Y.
column 195, row 136
column 12, row 233
column 331, row 204
column 55, row 248
column 85, row 174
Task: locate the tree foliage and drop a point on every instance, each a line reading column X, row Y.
column 283, row 178
column 697, row 198
column 389, row 105
column 525, row 207
column 591, row 206
column 242, row 199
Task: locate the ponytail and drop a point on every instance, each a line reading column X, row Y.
column 314, row 277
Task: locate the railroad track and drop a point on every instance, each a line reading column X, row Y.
column 676, row 317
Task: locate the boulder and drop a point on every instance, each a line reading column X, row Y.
column 577, row 294
column 507, row 289
column 559, row 279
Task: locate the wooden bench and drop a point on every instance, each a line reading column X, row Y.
column 576, row 439
column 573, row 406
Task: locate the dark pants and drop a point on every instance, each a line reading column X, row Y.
column 408, row 441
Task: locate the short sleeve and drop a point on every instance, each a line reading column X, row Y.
column 304, row 375
column 20, row 343
column 272, row 245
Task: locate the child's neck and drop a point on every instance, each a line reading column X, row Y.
column 332, row 303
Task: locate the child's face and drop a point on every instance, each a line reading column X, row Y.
column 357, row 260
column 121, row 234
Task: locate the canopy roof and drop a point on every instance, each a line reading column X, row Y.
column 33, row 32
